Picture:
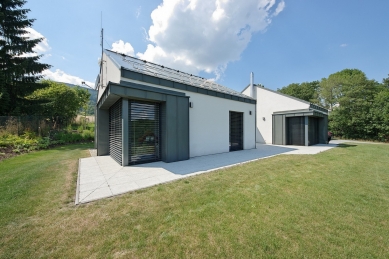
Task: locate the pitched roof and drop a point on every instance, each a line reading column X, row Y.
column 311, row 105
column 145, row 67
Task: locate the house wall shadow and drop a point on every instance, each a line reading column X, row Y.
column 211, row 162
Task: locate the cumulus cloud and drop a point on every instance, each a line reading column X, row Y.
column 43, row 48
column 124, row 48
column 205, row 35
column 39, row 49
column 343, row 45
column 60, row 76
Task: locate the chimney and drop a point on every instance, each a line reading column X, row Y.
column 252, row 87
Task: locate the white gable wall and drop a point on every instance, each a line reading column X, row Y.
column 209, row 122
column 269, row 102
column 110, row 73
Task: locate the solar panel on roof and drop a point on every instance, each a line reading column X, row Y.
column 160, row 71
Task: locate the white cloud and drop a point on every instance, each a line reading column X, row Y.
column 280, row 8
column 343, row 45
column 124, row 48
column 205, row 35
column 60, row 76
column 138, row 12
column 41, row 48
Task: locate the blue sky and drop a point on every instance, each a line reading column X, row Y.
column 281, row 41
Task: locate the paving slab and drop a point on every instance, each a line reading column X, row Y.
column 101, row 177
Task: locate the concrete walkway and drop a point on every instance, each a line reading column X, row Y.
column 101, row 177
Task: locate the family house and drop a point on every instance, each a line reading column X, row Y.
column 147, row 112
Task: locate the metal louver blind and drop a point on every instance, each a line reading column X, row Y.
column 236, row 131
column 296, row 131
column 144, row 132
column 115, row 131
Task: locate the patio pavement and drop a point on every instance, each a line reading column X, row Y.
column 101, row 177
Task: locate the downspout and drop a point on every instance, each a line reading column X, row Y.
column 253, row 95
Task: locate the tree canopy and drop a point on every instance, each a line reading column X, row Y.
column 385, row 82
column 20, row 70
column 307, row 91
column 359, row 107
column 58, row 101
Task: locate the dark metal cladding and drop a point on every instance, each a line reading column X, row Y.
column 115, row 131
column 144, row 132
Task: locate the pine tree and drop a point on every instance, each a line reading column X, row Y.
column 19, row 70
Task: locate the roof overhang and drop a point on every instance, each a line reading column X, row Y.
column 300, row 113
column 114, row 92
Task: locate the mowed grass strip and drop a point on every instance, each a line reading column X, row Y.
column 331, row 205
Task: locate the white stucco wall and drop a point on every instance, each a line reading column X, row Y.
column 110, row 73
column 209, row 122
column 248, row 92
column 269, row 102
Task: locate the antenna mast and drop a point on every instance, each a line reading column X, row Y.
column 102, row 35
column 102, row 50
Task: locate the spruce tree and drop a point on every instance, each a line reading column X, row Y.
column 19, row 70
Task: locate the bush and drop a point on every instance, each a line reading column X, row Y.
column 29, row 141
column 43, row 143
column 88, row 135
column 80, row 129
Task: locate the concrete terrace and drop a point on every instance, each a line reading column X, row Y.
column 101, row 177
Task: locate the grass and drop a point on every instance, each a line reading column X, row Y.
column 331, row 205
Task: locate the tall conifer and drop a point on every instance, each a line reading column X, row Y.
column 19, row 70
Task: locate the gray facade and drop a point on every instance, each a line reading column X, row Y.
column 300, row 127
column 174, row 121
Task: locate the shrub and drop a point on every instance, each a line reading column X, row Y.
column 43, row 143
column 30, row 141
column 88, row 135
column 80, row 129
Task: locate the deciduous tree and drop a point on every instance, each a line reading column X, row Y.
column 307, row 91
column 354, row 93
column 58, row 101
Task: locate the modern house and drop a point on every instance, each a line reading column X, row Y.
column 146, row 112
column 286, row 120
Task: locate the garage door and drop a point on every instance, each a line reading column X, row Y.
column 236, row 131
column 296, row 131
column 144, row 132
column 115, row 131
column 313, row 130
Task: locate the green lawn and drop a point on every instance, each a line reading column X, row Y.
column 331, row 205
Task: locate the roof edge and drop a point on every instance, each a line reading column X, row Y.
column 289, row 96
column 167, row 73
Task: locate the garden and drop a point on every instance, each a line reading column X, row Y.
column 24, row 134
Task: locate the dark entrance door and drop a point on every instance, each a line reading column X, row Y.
column 236, row 131
column 144, row 132
column 296, row 131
